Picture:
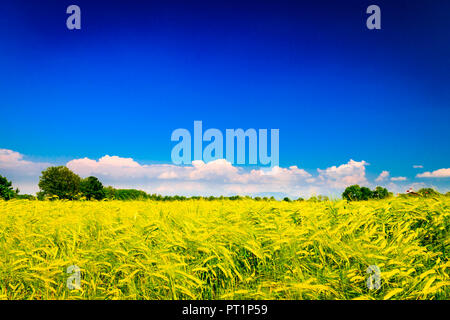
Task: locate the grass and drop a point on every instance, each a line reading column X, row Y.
column 241, row 249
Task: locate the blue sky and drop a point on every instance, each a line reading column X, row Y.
column 135, row 72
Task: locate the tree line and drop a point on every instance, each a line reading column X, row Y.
column 357, row 193
column 61, row 183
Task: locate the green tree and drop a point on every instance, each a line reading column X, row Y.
column 366, row 193
column 6, row 189
column 357, row 193
column 92, row 188
column 380, row 193
column 352, row 193
column 109, row 193
column 59, row 181
column 25, row 197
column 132, row 194
column 428, row 192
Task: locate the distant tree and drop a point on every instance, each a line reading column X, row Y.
column 366, row 193
column 428, row 192
column 447, row 194
column 25, row 197
column 287, row 199
column 300, row 199
column 6, row 189
column 92, row 188
column 60, row 182
column 352, row 193
column 357, row 193
column 380, row 193
column 109, row 193
column 132, row 194
column 322, row 198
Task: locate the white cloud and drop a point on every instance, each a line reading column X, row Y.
column 13, row 162
column 23, row 173
column 383, row 176
column 217, row 177
column 353, row 172
column 441, row 173
column 395, row 188
column 399, row 179
column 417, row 166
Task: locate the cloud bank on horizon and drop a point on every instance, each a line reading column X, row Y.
column 216, row 178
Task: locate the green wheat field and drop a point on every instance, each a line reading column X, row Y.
column 243, row 249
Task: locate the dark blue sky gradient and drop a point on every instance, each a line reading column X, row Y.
column 137, row 71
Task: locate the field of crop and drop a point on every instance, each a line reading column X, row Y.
column 242, row 249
